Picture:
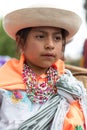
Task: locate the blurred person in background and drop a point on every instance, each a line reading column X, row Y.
column 83, row 61
column 4, row 59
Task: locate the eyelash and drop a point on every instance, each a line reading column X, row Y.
column 39, row 36
column 56, row 38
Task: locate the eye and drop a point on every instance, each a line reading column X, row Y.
column 58, row 38
column 39, row 36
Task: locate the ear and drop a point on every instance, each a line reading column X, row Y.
column 18, row 39
column 20, row 43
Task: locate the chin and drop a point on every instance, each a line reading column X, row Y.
column 46, row 65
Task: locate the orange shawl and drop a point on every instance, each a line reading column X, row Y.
column 11, row 79
column 11, row 73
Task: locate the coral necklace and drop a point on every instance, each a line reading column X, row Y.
column 39, row 89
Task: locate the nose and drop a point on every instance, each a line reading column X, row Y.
column 49, row 44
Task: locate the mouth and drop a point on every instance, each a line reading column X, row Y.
column 48, row 55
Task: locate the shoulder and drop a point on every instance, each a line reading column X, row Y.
column 9, row 63
column 9, row 69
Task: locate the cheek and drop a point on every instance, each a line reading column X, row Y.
column 28, row 50
column 59, row 48
column 28, row 46
column 31, row 50
column 59, row 52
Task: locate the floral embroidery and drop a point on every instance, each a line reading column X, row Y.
column 78, row 127
column 16, row 96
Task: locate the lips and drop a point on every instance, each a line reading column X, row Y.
column 48, row 55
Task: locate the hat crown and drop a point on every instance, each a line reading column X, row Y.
column 42, row 14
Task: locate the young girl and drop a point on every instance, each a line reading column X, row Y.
column 37, row 92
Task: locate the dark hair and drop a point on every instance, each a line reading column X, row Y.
column 64, row 35
column 23, row 33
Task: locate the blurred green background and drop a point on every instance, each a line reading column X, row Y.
column 7, row 45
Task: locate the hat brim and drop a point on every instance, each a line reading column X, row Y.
column 42, row 16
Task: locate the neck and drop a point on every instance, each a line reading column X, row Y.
column 37, row 69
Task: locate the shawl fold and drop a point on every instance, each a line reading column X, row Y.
column 51, row 115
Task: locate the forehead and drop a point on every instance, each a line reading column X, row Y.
column 46, row 29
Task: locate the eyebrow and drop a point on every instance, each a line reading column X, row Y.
column 42, row 31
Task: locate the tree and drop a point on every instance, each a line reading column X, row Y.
column 7, row 45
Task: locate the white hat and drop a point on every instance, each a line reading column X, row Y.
column 41, row 16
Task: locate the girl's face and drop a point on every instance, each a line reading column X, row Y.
column 43, row 46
